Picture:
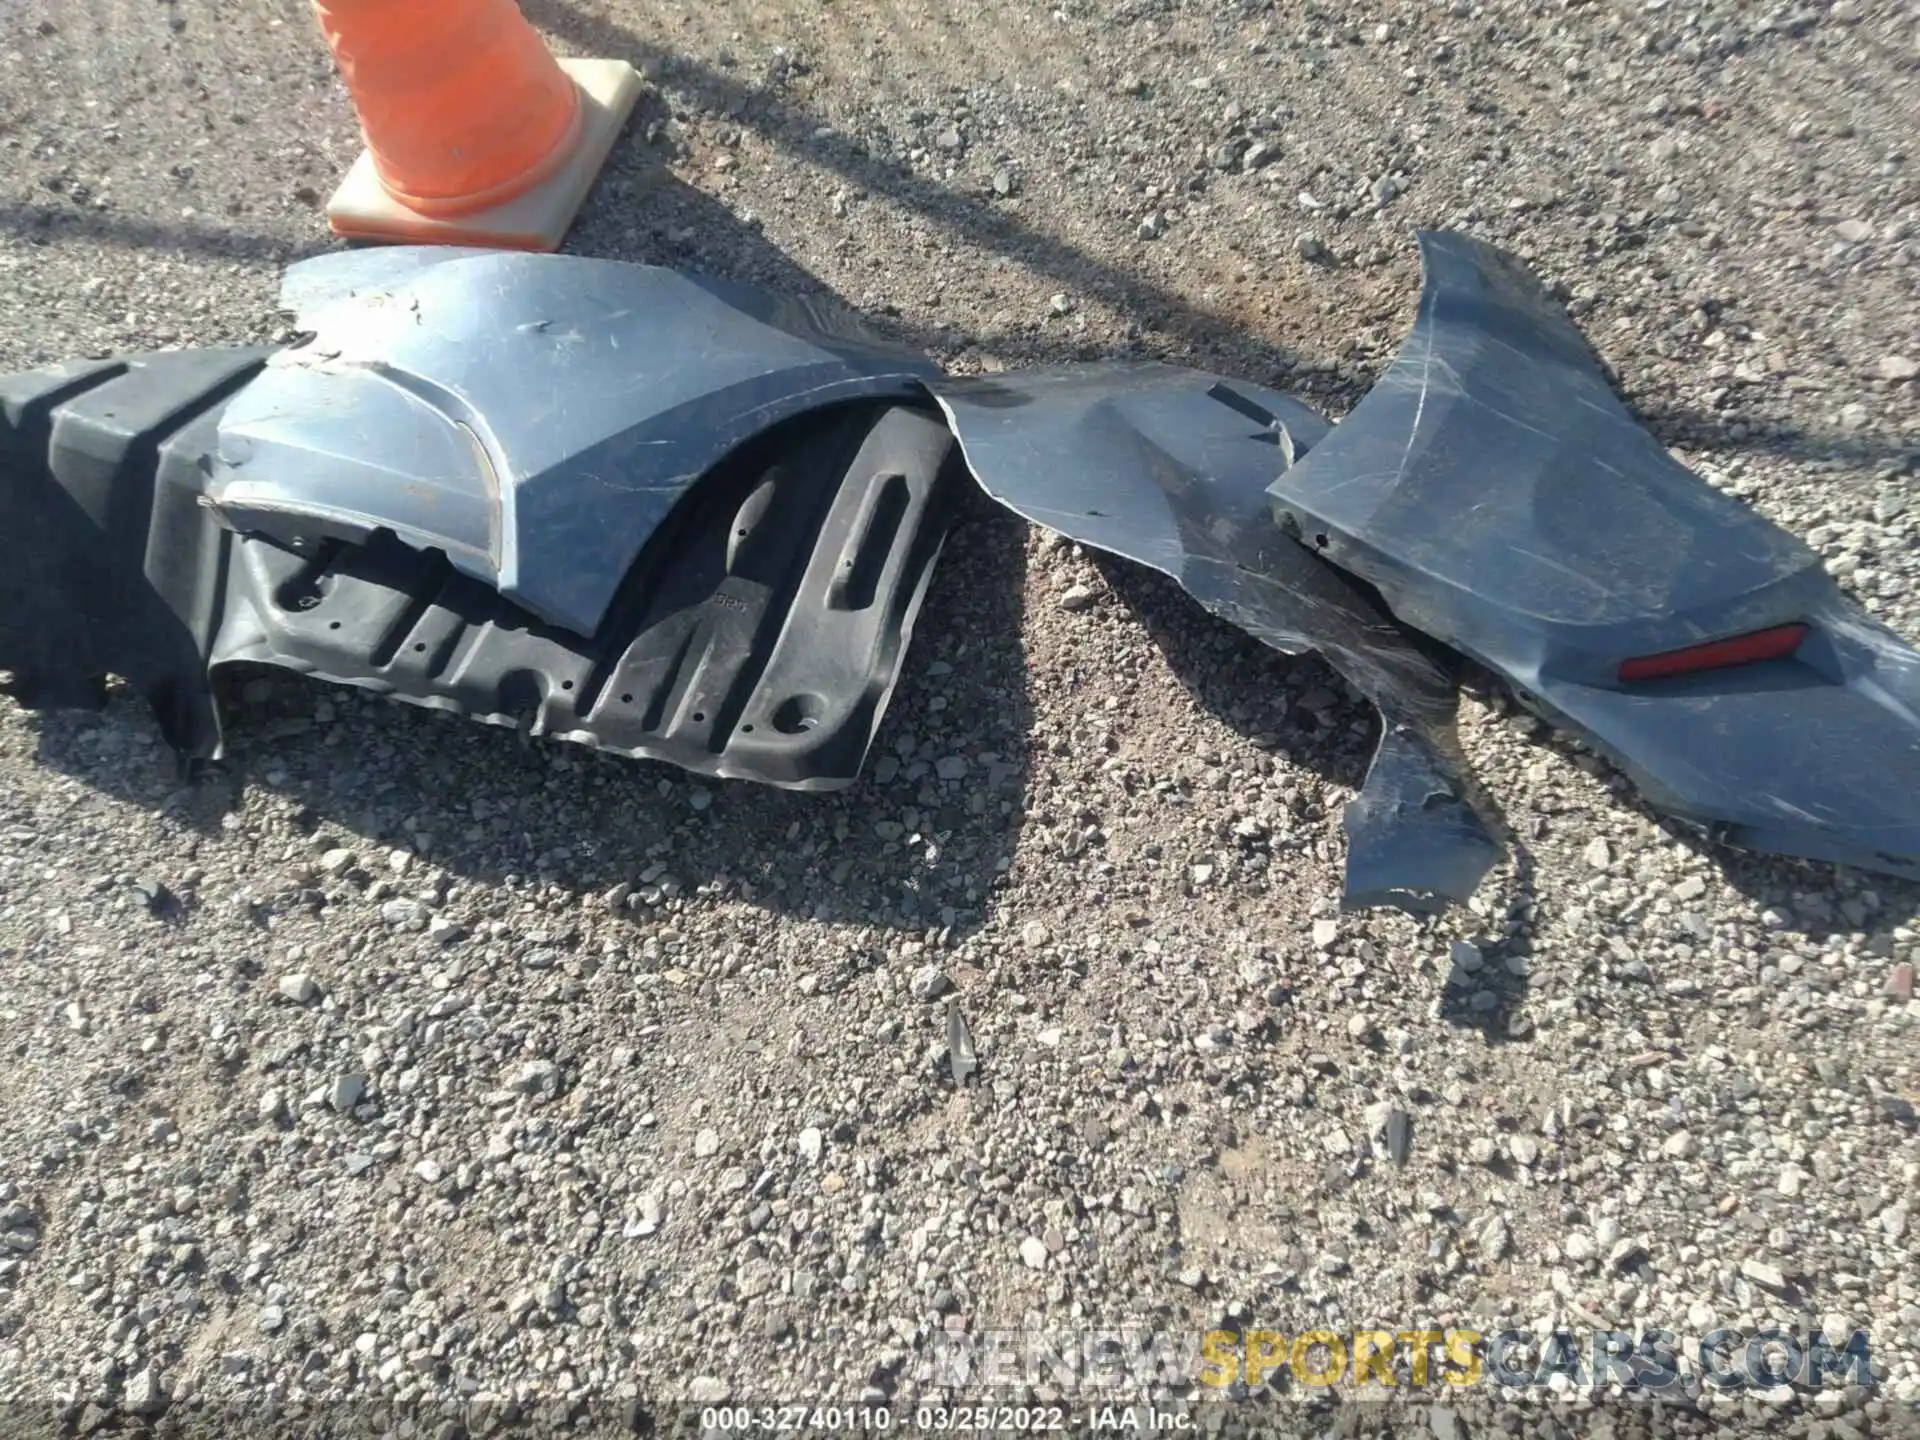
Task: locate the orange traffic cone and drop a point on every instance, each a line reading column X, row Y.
column 475, row 134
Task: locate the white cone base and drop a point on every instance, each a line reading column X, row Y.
column 537, row 220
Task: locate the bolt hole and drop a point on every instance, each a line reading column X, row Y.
column 746, row 729
column 419, row 647
column 1321, row 541
column 797, row 714
column 333, row 625
column 699, row 717
column 626, row 699
column 566, row 684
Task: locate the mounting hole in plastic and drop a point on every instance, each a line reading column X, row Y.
column 419, row 647
column 333, row 625
column 626, row 699
column 699, row 717
column 797, row 714
column 566, row 684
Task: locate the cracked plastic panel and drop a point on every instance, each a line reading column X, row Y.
column 1169, row 468
column 1502, row 499
column 534, row 418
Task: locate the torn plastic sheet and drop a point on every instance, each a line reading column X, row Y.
column 961, row 1058
column 1169, row 468
column 534, row 418
column 1503, row 500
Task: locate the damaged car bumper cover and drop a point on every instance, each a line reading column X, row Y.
column 534, row 418
column 692, row 521
column 758, row 634
column 1502, row 499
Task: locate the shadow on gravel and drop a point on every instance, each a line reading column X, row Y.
column 1298, row 707
column 1706, row 430
column 805, row 133
column 1797, row 891
column 901, row 848
column 39, row 224
column 1288, row 705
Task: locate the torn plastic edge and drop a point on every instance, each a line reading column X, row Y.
column 1416, row 839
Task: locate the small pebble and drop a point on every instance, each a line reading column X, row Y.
column 346, row 1092
column 929, row 982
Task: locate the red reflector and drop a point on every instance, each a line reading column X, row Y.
column 1775, row 644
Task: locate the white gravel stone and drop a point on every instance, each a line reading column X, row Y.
column 1766, row 1276
column 346, row 1091
column 1680, row 1146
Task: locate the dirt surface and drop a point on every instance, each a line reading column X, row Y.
column 402, row 1059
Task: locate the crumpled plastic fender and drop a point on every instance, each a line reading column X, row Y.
column 532, row 417
column 1503, row 500
column 1169, row 468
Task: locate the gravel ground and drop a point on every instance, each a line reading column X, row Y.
column 401, row 1058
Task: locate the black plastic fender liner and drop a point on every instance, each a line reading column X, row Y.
column 1169, row 468
column 108, row 562
column 759, row 635
column 1503, row 500
column 532, row 417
